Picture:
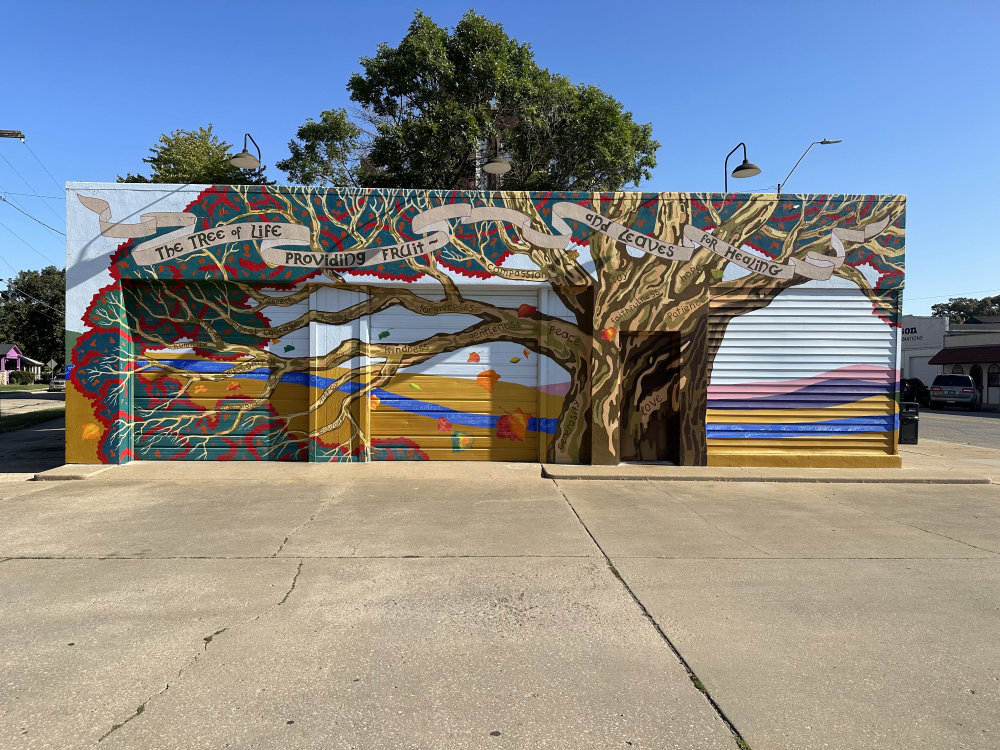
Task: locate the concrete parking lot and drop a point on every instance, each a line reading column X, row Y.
column 426, row 606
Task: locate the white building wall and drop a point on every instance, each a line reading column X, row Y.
column 922, row 337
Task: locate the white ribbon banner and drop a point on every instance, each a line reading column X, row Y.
column 185, row 239
column 275, row 237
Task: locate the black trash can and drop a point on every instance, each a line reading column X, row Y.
column 909, row 423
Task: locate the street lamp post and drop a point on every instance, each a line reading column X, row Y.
column 824, row 142
column 746, row 169
column 10, row 134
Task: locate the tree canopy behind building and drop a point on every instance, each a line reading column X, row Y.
column 195, row 157
column 434, row 108
column 960, row 309
column 33, row 313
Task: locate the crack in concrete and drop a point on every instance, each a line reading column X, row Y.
column 116, row 727
column 913, row 526
column 208, row 639
column 741, row 743
column 295, row 579
column 323, row 506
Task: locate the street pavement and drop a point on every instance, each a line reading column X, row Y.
column 456, row 606
column 32, row 450
column 22, row 402
column 981, row 429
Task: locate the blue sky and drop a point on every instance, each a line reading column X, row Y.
column 910, row 87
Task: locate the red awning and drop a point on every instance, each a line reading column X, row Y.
column 966, row 355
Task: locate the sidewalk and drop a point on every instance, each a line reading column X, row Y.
column 931, row 462
column 458, row 606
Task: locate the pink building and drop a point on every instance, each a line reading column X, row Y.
column 11, row 359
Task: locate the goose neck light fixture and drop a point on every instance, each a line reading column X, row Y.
column 244, row 159
column 497, row 165
column 746, row 169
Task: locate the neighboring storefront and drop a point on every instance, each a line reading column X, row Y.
column 973, row 348
column 315, row 324
column 921, row 337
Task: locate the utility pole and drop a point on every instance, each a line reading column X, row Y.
column 10, row 134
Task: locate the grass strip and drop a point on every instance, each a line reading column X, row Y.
column 31, row 418
column 12, row 388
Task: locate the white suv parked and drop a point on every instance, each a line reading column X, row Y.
column 955, row 390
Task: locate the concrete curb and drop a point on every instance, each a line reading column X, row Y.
column 73, row 471
column 636, row 473
column 713, row 474
column 932, row 462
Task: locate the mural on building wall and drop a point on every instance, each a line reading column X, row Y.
column 330, row 324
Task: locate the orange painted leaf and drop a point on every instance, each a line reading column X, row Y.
column 513, row 426
column 90, row 431
column 526, row 311
column 232, row 386
column 487, row 379
column 473, row 357
column 608, row 334
column 444, row 425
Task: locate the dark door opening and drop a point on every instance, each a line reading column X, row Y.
column 650, row 430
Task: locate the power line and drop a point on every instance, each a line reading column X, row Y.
column 8, row 263
column 30, row 186
column 50, row 316
column 46, row 313
column 40, row 302
column 36, row 195
column 37, row 251
column 3, row 191
column 47, row 226
column 19, row 207
column 950, row 295
column 54, row 181
column 57, row 318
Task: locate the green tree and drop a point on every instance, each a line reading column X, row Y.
column 960, row 309
column 435, row 107
column 33, row 313
column 195, row 157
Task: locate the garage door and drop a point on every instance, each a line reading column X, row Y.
column 475, row 402
column 810, row 374
column 201, row 389
column 207, row 386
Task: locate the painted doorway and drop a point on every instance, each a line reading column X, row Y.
column 649, row 428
